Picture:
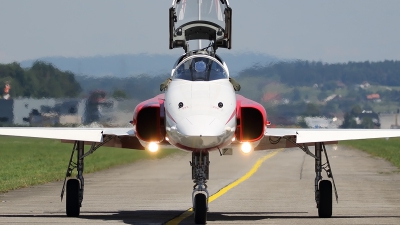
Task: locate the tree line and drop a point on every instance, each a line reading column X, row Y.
column 306, row 73
column 42, row 80
column 138, row 87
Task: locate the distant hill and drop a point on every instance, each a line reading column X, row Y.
column 306, row 73
column 153, row 64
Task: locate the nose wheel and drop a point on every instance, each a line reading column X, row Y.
column 200, row 208
column 200, row 169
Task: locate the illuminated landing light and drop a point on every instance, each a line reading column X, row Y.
column 153, row 147
column 246, row 147
column 166, row 138
column 233, row 139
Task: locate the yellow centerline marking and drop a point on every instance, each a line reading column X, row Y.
column 189, row 212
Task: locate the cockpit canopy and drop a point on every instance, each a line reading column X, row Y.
column 200, row 68
column 207, row 10
column 201, row 19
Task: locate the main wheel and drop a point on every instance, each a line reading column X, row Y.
column 200, row 209
column 73, row 206
column 325, row 199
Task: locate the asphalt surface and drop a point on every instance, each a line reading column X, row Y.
column 280, row 192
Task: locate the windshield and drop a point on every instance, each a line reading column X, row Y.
column 200, row 69
column 209, row 10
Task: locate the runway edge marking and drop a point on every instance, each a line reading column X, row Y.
column 222, row 191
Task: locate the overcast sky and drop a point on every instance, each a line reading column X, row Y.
column 323, row 30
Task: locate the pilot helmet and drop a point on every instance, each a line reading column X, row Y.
column 199, row 69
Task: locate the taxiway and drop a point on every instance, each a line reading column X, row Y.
column 281, row 191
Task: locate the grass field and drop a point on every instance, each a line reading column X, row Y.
column 28, row 161
column 386, row 149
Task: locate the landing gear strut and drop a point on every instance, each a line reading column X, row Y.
column 75, row 186
column 200, row 174
column 323, row 188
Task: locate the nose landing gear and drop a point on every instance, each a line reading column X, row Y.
column 200, row 174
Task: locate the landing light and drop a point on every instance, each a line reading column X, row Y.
column 246, row 147
column 153, row 147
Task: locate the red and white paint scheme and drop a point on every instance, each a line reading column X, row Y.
column 199, row 111
column 200, row 107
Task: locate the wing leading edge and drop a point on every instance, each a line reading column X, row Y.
column 72, row 134
column 329, row 135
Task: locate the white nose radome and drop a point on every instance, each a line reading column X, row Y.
column 201, row 125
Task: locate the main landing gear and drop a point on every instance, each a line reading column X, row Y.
column 200, row 174
column 74, row 187
column 323, row 188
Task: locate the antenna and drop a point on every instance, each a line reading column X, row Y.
column 200, row 1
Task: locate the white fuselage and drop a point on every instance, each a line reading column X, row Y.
column 200, row 124
column 200, row 115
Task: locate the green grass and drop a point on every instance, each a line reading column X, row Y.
column 386, row 149
column 28, row 161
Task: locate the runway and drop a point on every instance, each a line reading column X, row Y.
column 281, row 191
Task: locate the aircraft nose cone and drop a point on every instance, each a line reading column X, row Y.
column 201, row 125
column 200, row 120
column 202, row 132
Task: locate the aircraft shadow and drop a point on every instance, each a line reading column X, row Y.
column 163, row 216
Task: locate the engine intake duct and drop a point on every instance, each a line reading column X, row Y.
column 148, row 124
column 252, row 124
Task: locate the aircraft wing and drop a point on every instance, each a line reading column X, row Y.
column 72, row 134
column 330, row 135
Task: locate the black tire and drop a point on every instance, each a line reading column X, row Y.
column 73, row 207
column 200, row 210
column 325, row 199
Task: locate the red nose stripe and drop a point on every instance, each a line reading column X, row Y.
column 169, row 115
column 233, row 114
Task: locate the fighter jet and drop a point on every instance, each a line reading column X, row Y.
column 199, row 111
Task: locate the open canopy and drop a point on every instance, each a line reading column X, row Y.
column 200, row 20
